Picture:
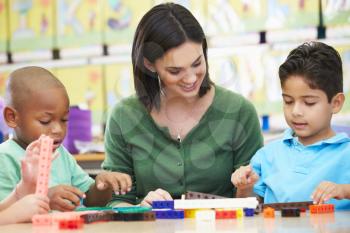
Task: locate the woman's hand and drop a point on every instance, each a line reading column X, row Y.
column 157, row 195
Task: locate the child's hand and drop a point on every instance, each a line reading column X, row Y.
column 25, row 208
column 65, row 197
column 158, row 195
column 244, row 177
column 327, row 190
column 120, row 183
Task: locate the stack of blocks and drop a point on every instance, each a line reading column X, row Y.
column 165, row 210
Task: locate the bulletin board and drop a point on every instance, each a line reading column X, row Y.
column 344, row 51
column 121, row 18
column 227, row 17
column 85, row 87
column 31, row 25
column 79, row 23
column 3, row 79
column 3, row 26
column 119, row 82
column 290, row 14
column 336, row 12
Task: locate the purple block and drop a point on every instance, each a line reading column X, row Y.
column 169, row 214
column 248, row 212
column 79, row 128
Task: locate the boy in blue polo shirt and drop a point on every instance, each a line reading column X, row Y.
column 311, row 162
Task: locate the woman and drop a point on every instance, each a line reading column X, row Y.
column 180, row 132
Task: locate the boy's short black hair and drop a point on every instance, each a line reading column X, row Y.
column 319, row 64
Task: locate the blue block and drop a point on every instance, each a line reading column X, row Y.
column 163, row 205
column 248, row 212
column 169, row 214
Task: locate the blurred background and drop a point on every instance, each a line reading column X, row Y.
column 87, row 45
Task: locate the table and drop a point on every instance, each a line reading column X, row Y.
column 338, row 222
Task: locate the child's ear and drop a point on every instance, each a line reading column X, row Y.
column 10, row 116
column 337, row 102
column 149, row 65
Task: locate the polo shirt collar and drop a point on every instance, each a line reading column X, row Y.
column 339, row 138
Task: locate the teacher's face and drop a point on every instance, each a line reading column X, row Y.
column 182, row 70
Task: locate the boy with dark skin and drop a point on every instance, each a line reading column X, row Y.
column 37, row 103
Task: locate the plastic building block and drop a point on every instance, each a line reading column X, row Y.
column 205, row 215
column 133, row 209
column 45, row 156
column 99, row 217
column 80, row 209
column 279, row 206
column 290, row 212
column 197, row 195
column 147, row 216
column 248, row 212
column 42, row 220
column 269, row 212
column 163, row 204
column 249, row 202
column 169, row 214
column 239, row 213
column 71, row 224
column 322, row 208
column 225, row 214
column 190, row 213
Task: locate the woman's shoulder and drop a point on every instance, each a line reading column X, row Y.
column 128, row 104
column 229, row 100
column 128, row 109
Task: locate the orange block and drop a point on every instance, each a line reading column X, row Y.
column 269, row 212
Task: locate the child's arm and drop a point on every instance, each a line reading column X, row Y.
column 327, row 190
column 26, row 185
column 244, row 179
column 24, row 209
column 100, row 193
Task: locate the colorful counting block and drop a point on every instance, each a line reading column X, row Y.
column 190, row 213
column 239, row 213
column 205, row 215
column 197, row 195
column 98, row 217
column 225, row 214
column 45, row 156
column 269, row 212
column 71, row 224
column 147, row 216
column 322, row 208
column 163, row 204
column 42, row 220
column 290, row 212
column 248, row 212
column 281, row 205
column 169, row 214
column 133, row 209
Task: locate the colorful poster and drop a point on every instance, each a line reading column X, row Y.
column 251, row 72
column 31, row 25
column 3, row 79
column 3, row 26
column 121, row 18
column 227, row 17
column 119, row 82
column 290, row 14
column 85, row 88
column 336, row 12
column 79, row 23
column 344, row 51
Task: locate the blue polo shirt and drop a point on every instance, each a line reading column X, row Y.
column 290, row 171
